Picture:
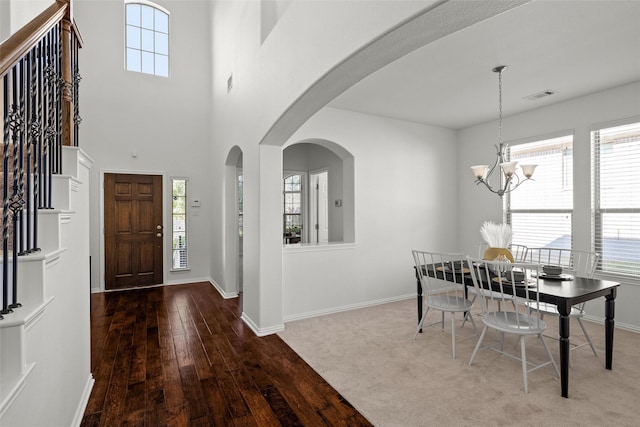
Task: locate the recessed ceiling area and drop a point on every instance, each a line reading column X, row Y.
column 572, row 48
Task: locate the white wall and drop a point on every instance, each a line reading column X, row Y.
column 14, row 14
column 400, row 169
column 579, row 115
column 164, row 120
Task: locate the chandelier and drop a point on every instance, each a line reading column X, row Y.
column 509, row 179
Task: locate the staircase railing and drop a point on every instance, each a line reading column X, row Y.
column 39, row 90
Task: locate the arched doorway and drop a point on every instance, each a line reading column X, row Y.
column 234, row 231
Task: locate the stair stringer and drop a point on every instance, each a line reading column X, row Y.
column 45, row 370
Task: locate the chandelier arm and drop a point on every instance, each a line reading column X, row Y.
column 507, row 185
column 499, row 159
column 488, row 187
column 520, row 181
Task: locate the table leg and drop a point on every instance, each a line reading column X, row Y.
column 563, row 328
column 609, row 315
column 419, row 288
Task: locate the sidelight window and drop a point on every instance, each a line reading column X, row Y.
column 179, row 247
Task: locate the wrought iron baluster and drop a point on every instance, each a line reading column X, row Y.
column 34, row 132
column 77, row 78
column 19, row 170
column 15, row 202
column 5, row 195
column 61, row 88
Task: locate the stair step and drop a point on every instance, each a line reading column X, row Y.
column 63, row 186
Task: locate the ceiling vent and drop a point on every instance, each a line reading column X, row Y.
column 539, row 95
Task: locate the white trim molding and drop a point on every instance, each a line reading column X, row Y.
column 261, row 332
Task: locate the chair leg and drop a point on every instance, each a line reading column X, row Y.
column 468, row 313
column 553, row 362
column 473, row 323
column 424, row 316
column 523, row 357
column 453, row 335
column 584, row 330
column 475, row 350
column 442, row 322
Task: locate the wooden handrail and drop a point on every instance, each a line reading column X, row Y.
column 23, row 40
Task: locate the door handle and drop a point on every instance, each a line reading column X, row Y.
column 159, row 235
column 158, row 227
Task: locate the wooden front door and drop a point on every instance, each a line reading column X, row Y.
column 132, row 230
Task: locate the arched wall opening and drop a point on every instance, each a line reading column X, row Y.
column 233, row 230
column 312, row 155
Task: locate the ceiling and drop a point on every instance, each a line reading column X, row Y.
column 571, row 47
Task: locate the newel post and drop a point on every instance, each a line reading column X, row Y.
column 67, row 77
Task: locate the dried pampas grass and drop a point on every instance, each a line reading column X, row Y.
column 496, row 235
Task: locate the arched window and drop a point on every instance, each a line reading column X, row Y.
column 147, row 38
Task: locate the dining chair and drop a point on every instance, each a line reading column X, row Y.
column 499, row 280
column 518, row 252
column 441, row 276
column 573, row 262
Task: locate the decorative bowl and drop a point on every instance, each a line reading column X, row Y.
column 552, row 270
column 518, row 276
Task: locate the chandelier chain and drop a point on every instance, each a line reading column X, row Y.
column 500, row 108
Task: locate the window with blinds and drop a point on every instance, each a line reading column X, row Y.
column 541, row 211
column 616, row 198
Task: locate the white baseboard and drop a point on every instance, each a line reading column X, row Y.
column 189, row 280
column 82, row 406
column 261, row 332
column 224, row 294
column 620, row 325
column 349, row 307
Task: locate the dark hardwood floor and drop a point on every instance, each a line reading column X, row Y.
column 181, row 356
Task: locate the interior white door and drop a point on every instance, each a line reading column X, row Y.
column 320, row 203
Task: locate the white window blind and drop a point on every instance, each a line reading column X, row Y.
column 616, row 198
column 540, row 211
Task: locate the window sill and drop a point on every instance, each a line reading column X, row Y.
column 317, row 247
column 623, row 279
column 179, row 270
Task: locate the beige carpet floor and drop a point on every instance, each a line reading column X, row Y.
column 369, row 356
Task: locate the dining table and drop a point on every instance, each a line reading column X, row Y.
column 563, row 294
